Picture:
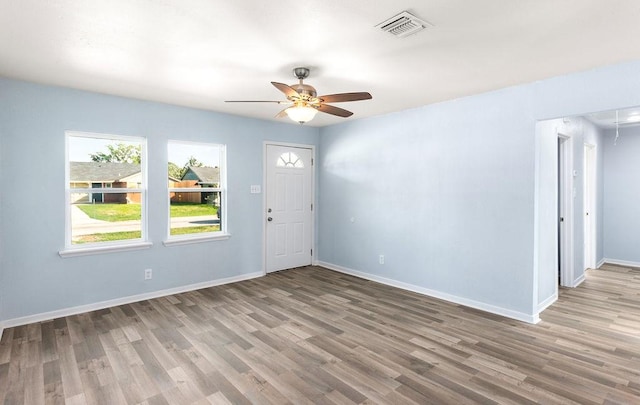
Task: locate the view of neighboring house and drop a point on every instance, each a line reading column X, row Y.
column 104, row 175
column 204, row 176
column 198, row 177
column 84, row 175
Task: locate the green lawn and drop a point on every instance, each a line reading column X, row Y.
column 192, row 210
column 106, row 237
column 127, row 212
column 111, row 212
column 195, row 229
column 113, row 236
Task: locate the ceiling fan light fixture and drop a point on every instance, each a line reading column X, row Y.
column 301, row 113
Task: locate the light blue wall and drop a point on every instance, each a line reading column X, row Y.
column 622, row 196
column 447, row 192
column 33, row 120
column 546, row 210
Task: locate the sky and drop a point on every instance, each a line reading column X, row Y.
column 179, row 152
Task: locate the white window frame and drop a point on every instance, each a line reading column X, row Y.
column 223, row 233
column 71, row 250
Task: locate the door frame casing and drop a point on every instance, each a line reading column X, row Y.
column 590, row 201
column 264, row 197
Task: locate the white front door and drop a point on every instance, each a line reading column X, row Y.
column 288, row 216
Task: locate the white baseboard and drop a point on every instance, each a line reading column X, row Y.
column 547, row 303
column 620, row 262
column 600, row 263
column 508, row 313
column 578, row 281
column 1, row 330
column 45, row 316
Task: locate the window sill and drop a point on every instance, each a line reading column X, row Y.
column 104, row 249
column 195, row 239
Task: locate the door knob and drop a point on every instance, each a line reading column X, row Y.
column 269, row 219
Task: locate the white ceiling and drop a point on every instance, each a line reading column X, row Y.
column 628, row 117
column 198, row 53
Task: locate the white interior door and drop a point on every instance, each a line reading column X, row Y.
column 589, row 207
column 288, row 216
column 565, row 210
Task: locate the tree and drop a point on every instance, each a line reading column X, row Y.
column 192, row 162
column 175, row 171
column 120, row 153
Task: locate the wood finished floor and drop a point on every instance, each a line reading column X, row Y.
column 311, row 335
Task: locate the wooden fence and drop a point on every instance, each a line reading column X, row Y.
column 186, row 197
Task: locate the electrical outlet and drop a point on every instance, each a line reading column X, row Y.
column 148, row 274
column 381, row 259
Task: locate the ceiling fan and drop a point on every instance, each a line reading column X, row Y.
column 304, row 102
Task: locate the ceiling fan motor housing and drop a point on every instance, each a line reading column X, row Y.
column 306, row 92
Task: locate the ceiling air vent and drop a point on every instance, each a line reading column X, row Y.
column 403, row 24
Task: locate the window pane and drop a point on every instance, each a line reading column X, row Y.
column 194, row 167
column 194, row 212
column 197, row 162
column 112, row 217
column 106, row 182
column 289, row 159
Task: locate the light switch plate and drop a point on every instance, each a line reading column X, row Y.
column 255, row 189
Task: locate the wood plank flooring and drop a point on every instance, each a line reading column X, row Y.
column 310, row 335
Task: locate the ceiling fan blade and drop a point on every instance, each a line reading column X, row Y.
column 342, row 97
column 255, row 101
column 287, row 90
column 282, row 113
column 329, row 109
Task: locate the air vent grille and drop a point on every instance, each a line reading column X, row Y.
column 403, row 24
